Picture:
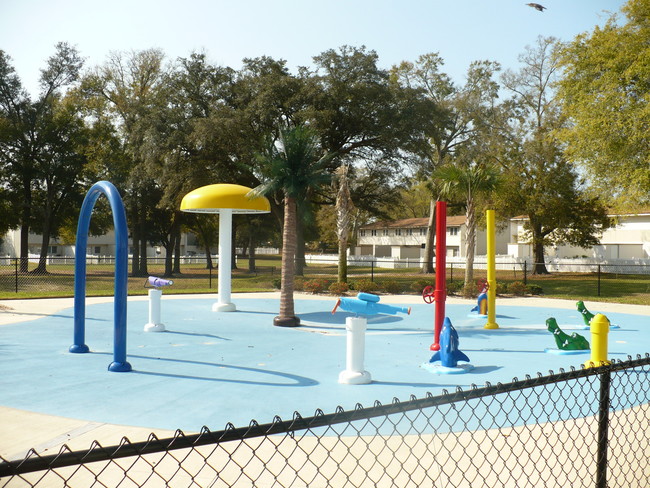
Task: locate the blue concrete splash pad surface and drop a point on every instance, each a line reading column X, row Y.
column 213, row 368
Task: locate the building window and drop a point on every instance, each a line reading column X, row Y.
column 373, row 232
column 423, row 231
column 409, row 232
column 452, row 231
column 398, row 232
column 385, row 232
column 52, row 250
column 98, row 250
column 362, row 233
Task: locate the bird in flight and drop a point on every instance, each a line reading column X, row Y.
column 536, row 6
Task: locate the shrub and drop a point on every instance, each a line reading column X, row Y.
column 419, row 285
column 517, row 288
column 469, row 291
column 392, row 287
column 298, row 283
column 338, row 288
column 366, row 286
column 318, row 285
column 502, row 288
column 455, row 287
column 535, row 290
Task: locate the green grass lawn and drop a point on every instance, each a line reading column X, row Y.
column 195, row 278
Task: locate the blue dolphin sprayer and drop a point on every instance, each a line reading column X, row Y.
column 449, row 354
column 119, row 364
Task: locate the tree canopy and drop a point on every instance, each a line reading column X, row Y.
column 158, row 128
column 605, row 91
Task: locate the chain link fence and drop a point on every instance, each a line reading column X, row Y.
column 318, row 273
column 578, row 428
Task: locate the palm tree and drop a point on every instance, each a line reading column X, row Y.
column 470, row 183
column 344, row 210
column 292, row 167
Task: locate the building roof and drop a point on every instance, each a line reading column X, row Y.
column 454, row 220
column 640, row 213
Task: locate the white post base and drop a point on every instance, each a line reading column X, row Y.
column 224, row 307
column 154, row 324
column 154, row 328
column 354, row 377
column 354, row 373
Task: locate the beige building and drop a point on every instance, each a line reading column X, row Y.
column 405, row 239
column 628, row 240
column 103, row 245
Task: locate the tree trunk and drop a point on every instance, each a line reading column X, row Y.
column 427, row 264
column 169, row 259
column 135, row 241
column 539, row 267
column 176, row 239
column 343, row 261
column 208, row 258
column 287, row 316
column 24, row 227
column 45, row 244
column 144, row 265
column 177, row 252
column 251, row 249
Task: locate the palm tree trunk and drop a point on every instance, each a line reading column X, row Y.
column 343, row 260
column 427, row 265
column 300, row 245
column 470, row 245
column 287, row 316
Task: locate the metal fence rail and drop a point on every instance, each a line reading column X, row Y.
column 578, row 428
column 606, row 280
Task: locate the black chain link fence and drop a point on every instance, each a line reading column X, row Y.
column 582, row 281
column 577, row 428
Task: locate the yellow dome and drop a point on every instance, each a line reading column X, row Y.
column 212, row 198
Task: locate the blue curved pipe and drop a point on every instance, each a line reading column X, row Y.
column 119, row 363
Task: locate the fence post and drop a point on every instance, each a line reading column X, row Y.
column 210, row 278
column 16, row 273
column 451, row 272
column 372, row 270
column 525, row 272
column 599, row 280
column 603, row 425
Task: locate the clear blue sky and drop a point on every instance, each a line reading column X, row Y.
column 295, row 30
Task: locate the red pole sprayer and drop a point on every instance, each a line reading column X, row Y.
column 440, row 293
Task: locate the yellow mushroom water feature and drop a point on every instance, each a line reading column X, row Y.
column 225, row 199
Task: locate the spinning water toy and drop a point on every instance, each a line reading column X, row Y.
column 364, row 304
column 368, row 304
